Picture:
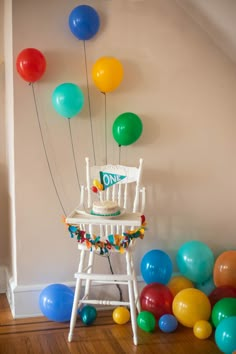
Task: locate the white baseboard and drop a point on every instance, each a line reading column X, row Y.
column 24, row 299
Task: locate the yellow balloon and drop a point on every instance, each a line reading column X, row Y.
column 178, row 283
column 107, row 74
column 202, row 329
column 191, row 305
column 121, row 315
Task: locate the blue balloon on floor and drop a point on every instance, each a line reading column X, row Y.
column 88, row 314
column 56, row 301
column 156, row 267
column 168, row 323
column 225, row 335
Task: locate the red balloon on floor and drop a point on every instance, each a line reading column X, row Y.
column 157, row 299
column 220, row 293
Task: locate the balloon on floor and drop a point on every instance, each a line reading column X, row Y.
column 157, row 299
column 224, row 272
column 56, row 301
column 156, row 267
column 191, row 305
column 195, row 261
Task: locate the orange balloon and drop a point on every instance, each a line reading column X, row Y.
column 224, row 272
column 178, row 283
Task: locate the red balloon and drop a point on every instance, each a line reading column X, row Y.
column 220, row 293
column 157, row 299
column 31, row 64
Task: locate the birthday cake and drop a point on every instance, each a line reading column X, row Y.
column 105, row 208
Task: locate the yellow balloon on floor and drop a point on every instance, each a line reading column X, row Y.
column 202, row 329
column 178, row 283
column 107, row 74
column 190, row 306
column 121, row 315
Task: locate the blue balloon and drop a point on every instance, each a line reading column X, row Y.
column 84, row 22
column 56, row 301
column 68, row 99
column 195, row 261
column 168, row 323
column 88, row 314
column 156, row 267
column 225, row 335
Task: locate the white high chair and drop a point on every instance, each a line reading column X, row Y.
column 105, row 235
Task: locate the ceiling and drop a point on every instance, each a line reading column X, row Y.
column 218, row 19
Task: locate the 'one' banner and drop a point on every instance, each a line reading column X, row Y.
column 108, row 179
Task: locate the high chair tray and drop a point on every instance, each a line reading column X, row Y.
column 84, row 217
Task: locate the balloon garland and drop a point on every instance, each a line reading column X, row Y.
column 113, row 242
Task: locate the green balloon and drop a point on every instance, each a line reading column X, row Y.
column 127, row 128
column 146, row 321
column 224, row 308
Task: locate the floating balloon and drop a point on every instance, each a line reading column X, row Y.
column 107, row 74
column 195, row 261
column 88, row 314
column 157, row 299
column 56, row 301
column 220, row 293
column 68, row 100
column 121, row 315
column 146, row 321
column 84, row 22
column 224, row 272
column 31, row 64
column 156, row 267
column 190, row 306
column 222, row 309
column 202, row 329
column 168, row 323
column 225, row 335
column 178, row 283
column 127, row 128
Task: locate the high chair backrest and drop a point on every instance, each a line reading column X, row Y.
column 115, row 182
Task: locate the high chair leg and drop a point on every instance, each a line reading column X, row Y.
column 133, row 314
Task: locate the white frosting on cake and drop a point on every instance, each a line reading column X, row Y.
column 105, row 207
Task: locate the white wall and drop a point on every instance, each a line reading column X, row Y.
column 182, row 87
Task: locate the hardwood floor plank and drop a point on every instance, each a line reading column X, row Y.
column 39, row 335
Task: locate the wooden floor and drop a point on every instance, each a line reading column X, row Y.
column 38, row 335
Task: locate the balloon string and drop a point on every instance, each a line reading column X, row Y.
column 119, row 153
column 45, row 151
column 73, row 151
column 89, row 104
column 105, row 110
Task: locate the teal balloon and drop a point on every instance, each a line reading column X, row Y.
column 68, row 99
column 88, row 314
column 127, row 128
column 146, row 321
column 225, row 335
column 195, row 261
column 222, row 309
column 206, row 286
